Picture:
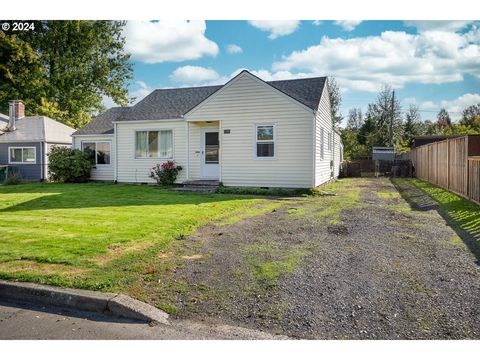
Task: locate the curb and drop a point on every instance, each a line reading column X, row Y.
column 110, row 303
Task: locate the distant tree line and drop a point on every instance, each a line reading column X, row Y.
column 385, row 120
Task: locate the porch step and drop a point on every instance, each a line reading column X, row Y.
column 199, row 186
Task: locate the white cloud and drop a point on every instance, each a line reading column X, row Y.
column 194, row 75
column 141, row 90
column 433, row 25
column 276, row 28
column 157, row 42
column 348, row 25
column 317, row 22
column 234, row 49
column 454, row 106
column 396, row 58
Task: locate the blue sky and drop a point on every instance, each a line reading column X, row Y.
column 432, row 64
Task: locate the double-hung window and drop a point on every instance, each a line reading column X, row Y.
column 265, row 141
column 22, row 155
column 98, row 150
column 154, row 144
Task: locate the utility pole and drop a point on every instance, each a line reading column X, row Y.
column 391, row 119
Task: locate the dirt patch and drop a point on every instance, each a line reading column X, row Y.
column 42, row 268
column 354, row 266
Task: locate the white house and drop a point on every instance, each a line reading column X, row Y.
column 248, row 132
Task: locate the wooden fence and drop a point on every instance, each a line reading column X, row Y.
column 453, row 164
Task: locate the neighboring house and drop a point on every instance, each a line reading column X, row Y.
column 247, row 132
column 26, row 140
column 428, row 139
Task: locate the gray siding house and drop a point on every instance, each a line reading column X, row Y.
column 25, row 141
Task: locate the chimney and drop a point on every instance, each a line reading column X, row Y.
column 16, row 112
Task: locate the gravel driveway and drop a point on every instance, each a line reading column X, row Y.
column 360, row 265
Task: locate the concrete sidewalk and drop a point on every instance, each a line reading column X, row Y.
column 26, row 321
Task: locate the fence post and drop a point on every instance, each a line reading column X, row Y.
column 467, row 169
column 448, row 164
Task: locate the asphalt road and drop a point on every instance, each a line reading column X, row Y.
column 27, row 321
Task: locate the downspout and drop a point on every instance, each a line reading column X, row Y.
column 45, row 167
column 115, row 171
column 42, row 159
column 187, row 131
column 314, row 151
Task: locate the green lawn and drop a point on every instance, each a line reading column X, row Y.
column 102, row 236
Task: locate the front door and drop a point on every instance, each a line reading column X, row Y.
column 210, row 154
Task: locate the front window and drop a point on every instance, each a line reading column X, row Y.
column 265, row 141
column 99, row 151
column 154, row 144
column 22, row 155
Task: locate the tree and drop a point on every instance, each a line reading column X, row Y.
column 21, row 72
column 471, row 117
column 81, row 62
column 335, row 101
column 411, row 127
column 443, row 119
column 355, row 119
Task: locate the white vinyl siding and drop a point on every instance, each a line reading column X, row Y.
column 338, row 153
column 242, row 104
column 131, row 169
column 323, row 127
column 103, row 172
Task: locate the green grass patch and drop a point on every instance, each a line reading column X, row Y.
column 388, row 195
column 330, row 207
column 102, row 236
column 268, row 262
column 462, row 212
column 168, row 308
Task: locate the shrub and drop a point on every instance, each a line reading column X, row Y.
column 166, row 173
column 69, row 165
column 264, row 192
column 13, row 178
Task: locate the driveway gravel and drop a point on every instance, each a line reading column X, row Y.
column 365, row 264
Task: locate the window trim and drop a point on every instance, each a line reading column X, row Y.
column 330, row 141
column 22, row 162
column 95, row 142
column 256, row 141
column 155, row 158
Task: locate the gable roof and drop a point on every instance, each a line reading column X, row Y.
column 38, row 128
column 165, row 104
column 103, row 123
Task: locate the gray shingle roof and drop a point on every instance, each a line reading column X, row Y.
column 168, row 103
column 103, row 123
column 163, row 104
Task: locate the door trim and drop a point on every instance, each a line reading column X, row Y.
column 203, row 131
